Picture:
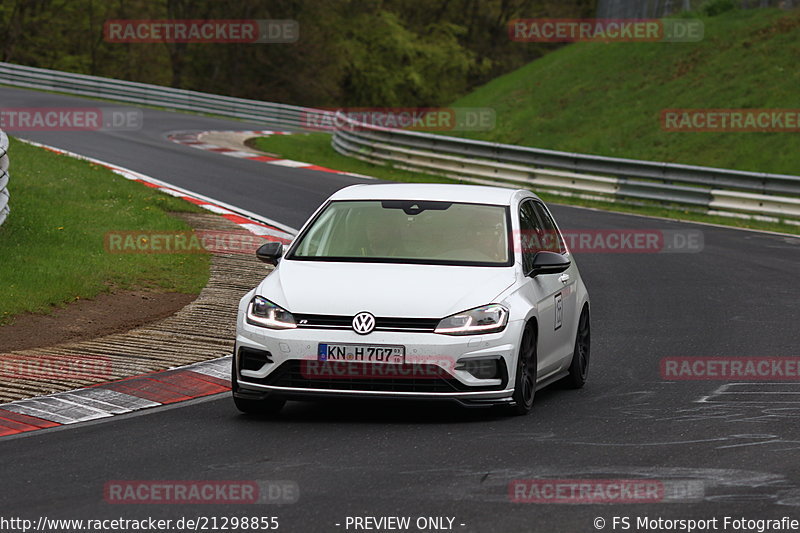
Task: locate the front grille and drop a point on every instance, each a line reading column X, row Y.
column 349, row 376
column 323, row 321
column 406, row 324
column 421, row 325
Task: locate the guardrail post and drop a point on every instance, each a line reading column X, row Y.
column 4, row 208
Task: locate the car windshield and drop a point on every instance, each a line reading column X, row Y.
column 405, row 231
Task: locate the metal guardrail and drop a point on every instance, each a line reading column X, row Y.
column 570, row 173
column 281, row 115
column 599, row 177
column 4, row 196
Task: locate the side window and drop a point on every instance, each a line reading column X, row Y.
column 530, row 234
column 550, row 239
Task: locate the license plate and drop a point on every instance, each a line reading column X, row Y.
column 364, row 353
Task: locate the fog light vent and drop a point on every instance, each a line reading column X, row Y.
column 481, row 368
column 252, row 359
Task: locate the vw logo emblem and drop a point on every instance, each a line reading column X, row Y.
column 363, row 323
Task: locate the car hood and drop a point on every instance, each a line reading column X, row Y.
column 387, row 290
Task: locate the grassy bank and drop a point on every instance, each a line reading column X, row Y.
column 607, row 98
column 52, row 243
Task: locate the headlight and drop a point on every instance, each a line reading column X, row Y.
column 486, row 319
column 262, row 312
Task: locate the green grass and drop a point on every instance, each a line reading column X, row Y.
column 52, row 243
column 316, row 148
column 607, row 99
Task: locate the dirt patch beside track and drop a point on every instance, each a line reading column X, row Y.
column 85, row 319
column 204, row 329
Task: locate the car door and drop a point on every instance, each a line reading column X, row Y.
column 545, row 290
column 565, row 335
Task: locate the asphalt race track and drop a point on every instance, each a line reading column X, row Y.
column 737, row 452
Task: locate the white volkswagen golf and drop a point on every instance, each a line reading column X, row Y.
column 423, row 291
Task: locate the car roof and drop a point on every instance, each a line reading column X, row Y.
column 477, row 194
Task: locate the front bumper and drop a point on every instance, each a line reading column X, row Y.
column 433, row 368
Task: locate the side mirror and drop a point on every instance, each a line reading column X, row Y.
column 548, row 263
column 270, row 253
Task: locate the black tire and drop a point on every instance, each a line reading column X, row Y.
column 525, row 380
column 579, row 368
column 265, row 406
